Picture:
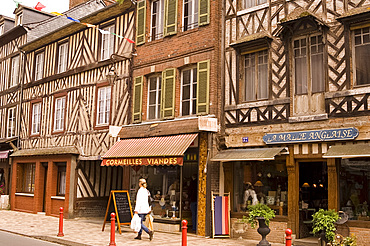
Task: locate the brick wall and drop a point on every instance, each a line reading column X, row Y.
column 91, row 207
column 362, row 234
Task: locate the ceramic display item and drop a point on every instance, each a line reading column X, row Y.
column 270, row 200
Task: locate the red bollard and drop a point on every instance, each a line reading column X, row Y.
column 288, row 238
column 112, row 230
column 184, row 233
column 60, row 234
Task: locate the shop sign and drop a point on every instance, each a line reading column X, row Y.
column 151, row 161
column 311, row 136
column 207, row 124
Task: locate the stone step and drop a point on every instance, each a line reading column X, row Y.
column 308, row 241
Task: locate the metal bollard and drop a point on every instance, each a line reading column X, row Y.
column 112, row 230
column 288, row 238
column 184, row 233
column 60, row 233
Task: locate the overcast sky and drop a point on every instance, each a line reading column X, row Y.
column 8, row 6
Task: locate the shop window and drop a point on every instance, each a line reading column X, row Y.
column 190, row 14
column 39, row 66
column 107, row 42
column 259, row 182
column 354, row 188
column 252, row 3
column 26, row 177
column 62, row 57
column 256, row 76
column 103, row 105
column 14, row 73
column 59, row 113
column 308, row 64
column 36, row 118
column 157, row 19
column 154, row 97
column 61, row 187
column 11, row 126
column 362, row 55
column 189, row 91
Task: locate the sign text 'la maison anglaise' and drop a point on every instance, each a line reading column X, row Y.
column 311, row 136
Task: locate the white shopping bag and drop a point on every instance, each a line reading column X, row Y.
column 136, row 223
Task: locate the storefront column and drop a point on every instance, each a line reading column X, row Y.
column 203, row 146
column 39, row 189
column 332, row 185
column 72, row 186
column 293, row 192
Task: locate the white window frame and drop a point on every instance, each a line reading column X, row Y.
column 107, row 43
column 259, row 92
column 14, row 75
column 247, row 4
column 157, row 91
column 62, row 57
column 359, row 37
column 103, row 105
column 156, row 29
column 19, row 19
column 39, row 66
column 36, row 118
column 59, row 113
column 192, row 100
column 11, row 122
column 192, row 17
column 2, row 29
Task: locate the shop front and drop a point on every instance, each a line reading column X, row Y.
column 170, row 164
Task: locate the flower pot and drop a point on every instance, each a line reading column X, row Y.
column 263, row 230
column 239, row 227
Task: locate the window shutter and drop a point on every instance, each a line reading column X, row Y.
column 168, row 93
column 138, row 92
column 203, row 87
column 170, row 24
column 203, row 16
column 140, row 22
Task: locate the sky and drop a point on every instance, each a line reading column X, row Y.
column 8, row 6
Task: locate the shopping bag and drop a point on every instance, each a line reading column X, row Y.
column 149, row 222
column 136, row 223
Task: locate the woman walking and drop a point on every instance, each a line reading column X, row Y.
column 142, row 207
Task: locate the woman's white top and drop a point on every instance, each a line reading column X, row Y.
column 142, row 205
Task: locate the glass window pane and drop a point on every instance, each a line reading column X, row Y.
column 362, row 57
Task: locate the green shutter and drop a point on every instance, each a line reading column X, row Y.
column 203, row 87
column 137, row 100
column 140, row 22
column 170, row 19
column 168, row 93
column 203, row 16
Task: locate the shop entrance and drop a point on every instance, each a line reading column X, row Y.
column 313, row 193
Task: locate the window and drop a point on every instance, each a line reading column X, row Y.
column 256, row 76
column 189, row 91
column 251, row 3
column 308, row 65
column 19, row 19
column 36, row 118
column 103, row 109
column 14, row 74
column 26, row 177
column 354, row 187
column 62, row 57
column 11, row 122
column 157, row 19
column 59, row 113
column 154, row 95
column 255, row 183
column 39, row 66
column 362, row 55
column 2, row 29
column 107, row 43
column 61, row 187
column 190, row 14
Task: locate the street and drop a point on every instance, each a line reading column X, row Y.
column 11, row 239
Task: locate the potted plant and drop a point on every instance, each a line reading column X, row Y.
column 324, row 224
column 263, row 214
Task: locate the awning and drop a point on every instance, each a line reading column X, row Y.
column 4, row 154
column 348, row 151
column 46, row 151
column 260, row 154
column 167, row 150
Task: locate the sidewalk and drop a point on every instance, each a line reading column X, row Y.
column 86, row 232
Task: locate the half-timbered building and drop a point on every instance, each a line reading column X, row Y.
column 175, row 104
column 76, row 84
column 296, row 116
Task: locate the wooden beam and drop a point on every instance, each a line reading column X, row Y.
column 333, row 196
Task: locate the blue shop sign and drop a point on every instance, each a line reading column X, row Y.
column 311, row 136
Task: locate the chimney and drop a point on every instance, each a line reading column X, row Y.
column 73, row 3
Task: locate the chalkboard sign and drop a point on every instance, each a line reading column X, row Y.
column 119, row 203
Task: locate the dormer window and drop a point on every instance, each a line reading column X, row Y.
column 2, row 29
column 19, row 19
